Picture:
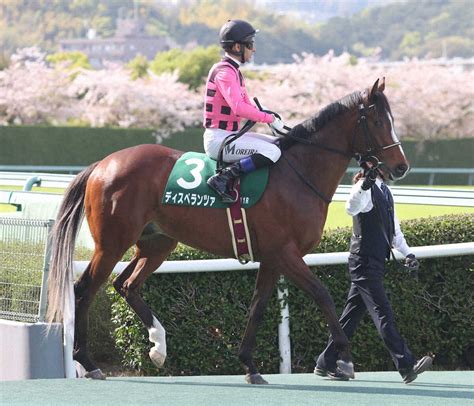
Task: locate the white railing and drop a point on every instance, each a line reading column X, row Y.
column 218, row 265
column 401, row 194
column 25, row 179
column 42, row 168
column 432, row 172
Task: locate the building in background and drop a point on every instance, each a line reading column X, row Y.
column 130, row 39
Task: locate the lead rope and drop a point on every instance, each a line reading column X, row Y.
column 380, row 222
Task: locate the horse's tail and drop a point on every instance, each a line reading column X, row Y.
column 63, row 237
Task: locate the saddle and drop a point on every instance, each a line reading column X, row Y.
column 187, row 186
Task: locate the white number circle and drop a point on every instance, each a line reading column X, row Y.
column 196, row 172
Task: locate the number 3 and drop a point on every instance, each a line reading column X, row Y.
column 196, row 172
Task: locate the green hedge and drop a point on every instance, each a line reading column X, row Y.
column 30, row 145
column 80, row 145
column 204, row 314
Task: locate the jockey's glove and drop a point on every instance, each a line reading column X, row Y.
column 278, row 127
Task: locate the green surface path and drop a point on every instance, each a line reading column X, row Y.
column 369, row 388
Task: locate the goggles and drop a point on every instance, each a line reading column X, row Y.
column 249, row 44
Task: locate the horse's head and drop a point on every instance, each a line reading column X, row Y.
column 375, row 139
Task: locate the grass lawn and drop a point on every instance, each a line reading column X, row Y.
column 35, row 189
column 9, row 208
column 337, row 216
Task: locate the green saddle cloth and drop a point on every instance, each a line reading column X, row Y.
column 187, row 183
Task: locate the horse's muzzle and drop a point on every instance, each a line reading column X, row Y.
column 400, row 171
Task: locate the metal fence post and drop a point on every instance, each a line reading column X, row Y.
column 284, row 343
column 44, row 282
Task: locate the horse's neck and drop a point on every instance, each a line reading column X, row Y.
column 323, row 168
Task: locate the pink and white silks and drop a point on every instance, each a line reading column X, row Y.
column 226, row 103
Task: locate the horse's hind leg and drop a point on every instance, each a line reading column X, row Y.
column 85, row 290
column 150, row 254
column 266, row 280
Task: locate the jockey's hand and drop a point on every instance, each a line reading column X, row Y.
column 369, row 179
column 279, row 129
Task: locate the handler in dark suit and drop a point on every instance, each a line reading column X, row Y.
column 374, row 224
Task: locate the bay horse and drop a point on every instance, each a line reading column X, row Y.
column 121, row 197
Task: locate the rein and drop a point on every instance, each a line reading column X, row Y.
column 307, row 182
column 229, row 140
column 319, row 145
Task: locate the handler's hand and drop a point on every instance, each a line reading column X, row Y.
column 412, row 265
column 369, row 180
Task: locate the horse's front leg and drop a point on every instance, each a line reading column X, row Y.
column 295, row 269
column 266, row 280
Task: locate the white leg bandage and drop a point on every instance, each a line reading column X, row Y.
column 157, row 335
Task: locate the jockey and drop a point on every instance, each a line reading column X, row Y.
column 226, row 102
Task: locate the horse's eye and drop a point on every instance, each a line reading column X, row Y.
column 378, row 122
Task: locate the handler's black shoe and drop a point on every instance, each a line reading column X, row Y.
column 421, row 366
column 334, row 375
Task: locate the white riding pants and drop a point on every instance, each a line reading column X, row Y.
column 246, row 145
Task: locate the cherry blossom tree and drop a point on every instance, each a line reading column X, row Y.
column 427, row 100
column 30, row 92
column 33, row 93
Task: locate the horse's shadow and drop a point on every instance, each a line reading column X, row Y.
column 413, row 390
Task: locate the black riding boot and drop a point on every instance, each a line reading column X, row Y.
column 223, row 181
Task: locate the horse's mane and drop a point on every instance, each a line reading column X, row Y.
column 320, row 119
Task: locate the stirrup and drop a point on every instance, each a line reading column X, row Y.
column 227, row 197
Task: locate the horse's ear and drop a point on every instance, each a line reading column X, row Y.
column 374, row 89
column 382, row 85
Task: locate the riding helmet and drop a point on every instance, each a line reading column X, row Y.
column 236, row 31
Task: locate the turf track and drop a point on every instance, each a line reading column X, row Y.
column 369, row 388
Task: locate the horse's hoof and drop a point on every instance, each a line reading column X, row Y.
column 157, row 357
column 347, row 368
column 255, row 379
column 95, row 374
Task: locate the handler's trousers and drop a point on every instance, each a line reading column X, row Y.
column 367, row 293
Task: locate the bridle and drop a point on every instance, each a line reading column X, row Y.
column 372, row 147
column 369, row 140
